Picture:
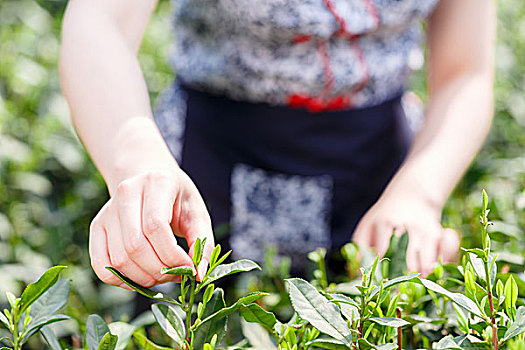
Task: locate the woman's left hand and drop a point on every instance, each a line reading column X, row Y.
column 402, row 210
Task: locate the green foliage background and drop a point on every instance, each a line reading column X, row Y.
column 50, row 190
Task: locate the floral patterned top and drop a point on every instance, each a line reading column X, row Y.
column 314, row 54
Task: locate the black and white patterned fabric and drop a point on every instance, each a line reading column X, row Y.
column 288, row 212
column 269, row 50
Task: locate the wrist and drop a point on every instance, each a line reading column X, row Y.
column 138, row 147
column 409, row 182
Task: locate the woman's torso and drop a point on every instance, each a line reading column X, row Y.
column 350, row 53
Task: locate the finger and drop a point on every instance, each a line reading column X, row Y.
column 428, row 254
column 422, row 250
column 120, row 259
column 381, row 238
column 193, row 220
column 137, row 247
column 201, row 270
column 98, row 253
column 192, row 236
column 157, row 213
column 449, row 246
column 413, row 255
column 363, row 234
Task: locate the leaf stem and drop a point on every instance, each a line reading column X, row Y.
column 399, row 331
column 189, row 308
column 495, row 343
column 15, row 319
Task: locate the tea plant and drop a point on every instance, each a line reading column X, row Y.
column 370, row 316
column 493, row 317
column 471, row 305
column 207, row 328
column 35, row 309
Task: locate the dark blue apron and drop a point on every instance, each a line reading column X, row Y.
column 285, row 177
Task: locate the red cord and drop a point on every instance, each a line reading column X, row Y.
column 323, row 102
column 331, row 7
column 322, row 48
column 371, row 9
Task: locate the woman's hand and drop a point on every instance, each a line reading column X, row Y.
column 403, row 210
column 457, row 119
column 134, row 231
column 151, row 198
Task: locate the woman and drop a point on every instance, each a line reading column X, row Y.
column 293, row 127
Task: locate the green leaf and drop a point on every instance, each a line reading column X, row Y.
column 518, row 326
column 395, row 281
column 389, row 321
column 447, row 343
column 463, row 322
column 220, row 260
column 215, row 254
column 96, row 328
column 221, row 271
column 4, row 320
column 170, row 321
column 366, row 345
column 479, row 267
column 397, row 253
column 145, row 343
column 34, row 326
column 51, row 301
column 108, row 342
column 34, row 290
column 469, row 342
column 50, row 338
column 457, row 298
column 484, row 201
column 5, row 340
column 142, row 290
column 205, row 333
column 389, row 346
column 371, row 270
column 500, row 291
column 511, row 293
column 476, row 251
column 12, row 299
column 255, row 313
column 316, row 309
column 348, row 306
column 470, row 284
column 257, row 336
column 208, row 293
column 123, row 331
column 330, row 344
column 180, row 271
column 250, row 298
column 198, row 248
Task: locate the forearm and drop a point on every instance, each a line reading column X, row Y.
column 107, row 94
column 457, row 120
column 461, row 36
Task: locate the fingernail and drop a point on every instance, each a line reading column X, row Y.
column 203, row 266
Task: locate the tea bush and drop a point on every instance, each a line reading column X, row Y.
column 466, row 306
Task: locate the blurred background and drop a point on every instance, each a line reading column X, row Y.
column 50, row 190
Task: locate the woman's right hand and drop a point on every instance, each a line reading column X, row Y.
column 151, row 197
column 135, row 230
